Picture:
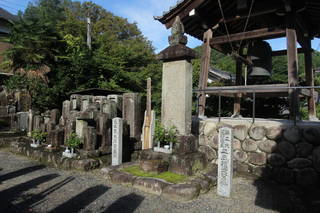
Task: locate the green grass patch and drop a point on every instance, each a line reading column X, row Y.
column 167, row 176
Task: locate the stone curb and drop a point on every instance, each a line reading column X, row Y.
column 54, row 159
column 178, row 192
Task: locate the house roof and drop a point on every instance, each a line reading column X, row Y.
column 7, row 15
column 264, row 14
column 215, row 73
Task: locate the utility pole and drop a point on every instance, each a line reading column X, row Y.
column 89, row 32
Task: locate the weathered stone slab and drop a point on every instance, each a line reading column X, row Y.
column 55, row 116
column 156, row 166
column 66, row 107
column 23, row 121
column 131, row 113
column 187, row 164
column 56, row 137
column 176, row 108
column 150, row 185
column 75, row 102
column 181, row 192
column 121, row 178
column 109, row 107
column 90, row 139
column 225, row 162
column 186, row 144
column 118, row 99
column 117, row 130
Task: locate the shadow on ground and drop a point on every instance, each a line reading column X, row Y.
column 81, row 200
column 20, row 172
column 125, row 204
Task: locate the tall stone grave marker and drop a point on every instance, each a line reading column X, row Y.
column 117, row 129
column 131, row 113
column 23, row 121
column 176, row 108
column 225, row 167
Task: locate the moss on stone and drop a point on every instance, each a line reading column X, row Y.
column 167, row 176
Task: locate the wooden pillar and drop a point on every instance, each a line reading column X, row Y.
column 292, row 66
column 237, row 98
column 309, row 79
column 204, row 70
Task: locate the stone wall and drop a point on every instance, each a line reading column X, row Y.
column 269, row 148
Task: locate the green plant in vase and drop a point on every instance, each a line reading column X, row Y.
column 72, row 142
column 165, row 137
column 37, row 137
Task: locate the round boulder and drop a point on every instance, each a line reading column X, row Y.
column 267, row 146
column 209, row 152
column 240, row 155
column 287, row 150
column 276, row 159
column 274, row 133
column 304, row 149
column 316, row 159
column 258, row 159
column 240, row 132
column 209, row 129
column 307, row 177
column 283, row 175
column 299, row 163
column 236, row 144
column 312, row 135
column 292, row 134
column 249, row 145
column 257, row 132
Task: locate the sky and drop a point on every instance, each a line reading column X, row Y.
column 142, row 12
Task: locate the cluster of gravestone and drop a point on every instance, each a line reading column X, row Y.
column 90, row 117
column 13, row 109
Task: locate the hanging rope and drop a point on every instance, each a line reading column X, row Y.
column 225, row 25
column 247, row 22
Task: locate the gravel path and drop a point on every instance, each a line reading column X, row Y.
column 27, row 186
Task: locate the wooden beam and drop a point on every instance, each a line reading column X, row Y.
column 284, row 52
column 310, row 80
column 292, row 66
column 260, row 33
column 204, row 71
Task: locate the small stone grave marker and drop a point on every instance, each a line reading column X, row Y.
column 225, row 167
column 117, row 129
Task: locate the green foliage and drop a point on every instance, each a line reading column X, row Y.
column 163, row 135
column 39, row 135
column 167, row 176
column 73, row 141
column 53, row 33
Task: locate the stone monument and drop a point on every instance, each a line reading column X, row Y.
column 225, row 161
column 176, row 109
column 117, row 129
